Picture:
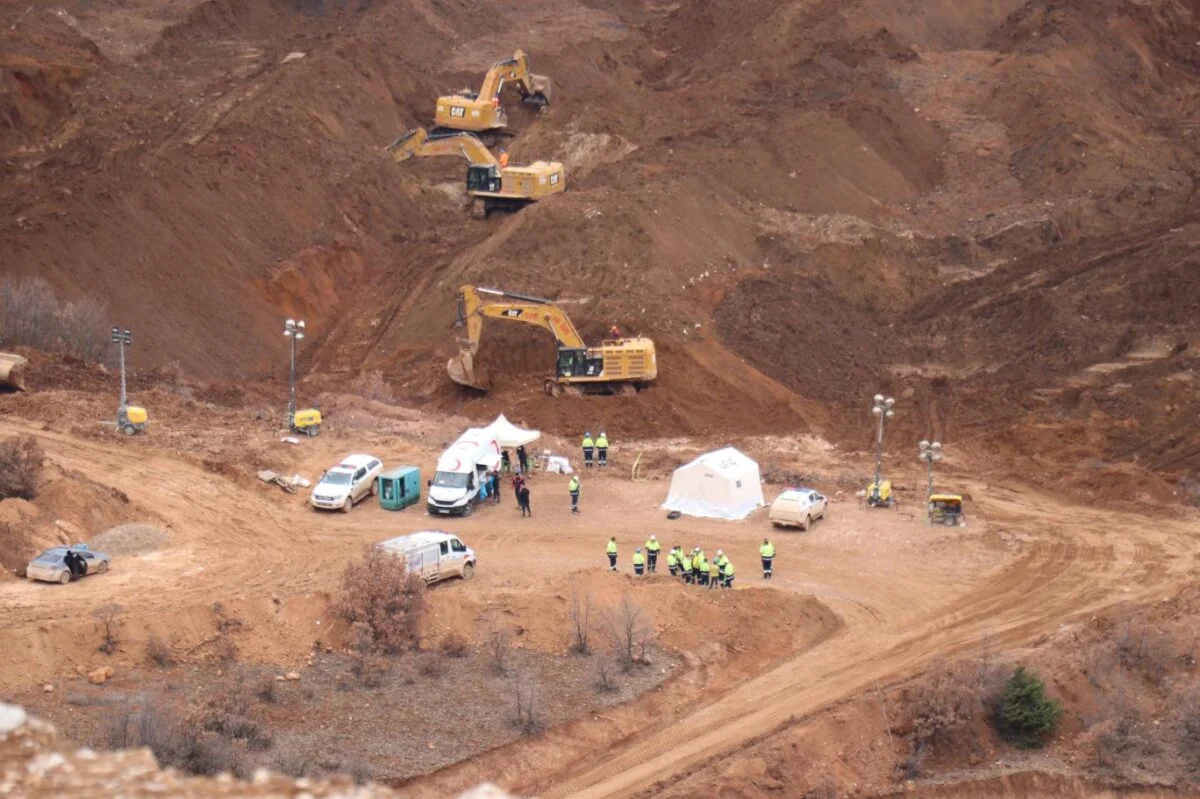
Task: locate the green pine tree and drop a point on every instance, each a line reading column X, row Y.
column 1025, row 715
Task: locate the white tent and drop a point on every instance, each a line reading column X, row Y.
column 718, row 485
column 509, row 435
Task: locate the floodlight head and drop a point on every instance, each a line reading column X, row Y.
column 890, row 413
column 300, row 324
column 890, row 402
column 299, row 336
column 878, row 399
column 875, row 409
column 937, row 445
column 923, row 445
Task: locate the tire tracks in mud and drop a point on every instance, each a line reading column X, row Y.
column 1069, row 569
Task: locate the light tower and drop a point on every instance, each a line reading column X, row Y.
column 878, row 494
column 295, row 331
column 930, row 454
column 130, row 418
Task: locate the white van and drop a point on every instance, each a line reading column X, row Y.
column 798, row 507
column 433, row 554
column 460, row 472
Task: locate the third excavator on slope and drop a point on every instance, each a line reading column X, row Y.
column 482, row 112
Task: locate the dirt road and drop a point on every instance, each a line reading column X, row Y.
column 906, row 593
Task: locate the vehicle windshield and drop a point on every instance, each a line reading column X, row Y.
column 50, row 557
column 336, row 478
column 451, row 479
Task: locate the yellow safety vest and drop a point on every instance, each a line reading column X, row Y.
column 727, row 569
column 721, row 561
column 639, row 559
column 573, row 486
column 653, row 546
column 767, row 550
column 672, row 558
column 601, row 442
column 612, row 547
column 588, row 443
column 686, row 563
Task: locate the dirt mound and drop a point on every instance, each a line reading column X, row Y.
column 131, row 539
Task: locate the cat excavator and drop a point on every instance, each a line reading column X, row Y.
column 496, row 187
column 481, row 112
column 617, row 366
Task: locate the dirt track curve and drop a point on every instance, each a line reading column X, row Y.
column 1069, row 563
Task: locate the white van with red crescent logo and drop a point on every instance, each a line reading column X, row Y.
column 460, row 472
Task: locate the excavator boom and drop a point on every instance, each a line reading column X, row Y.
column 623, row 362
column 482, row 111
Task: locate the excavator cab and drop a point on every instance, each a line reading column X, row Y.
column 577, row 363
column 483, row 177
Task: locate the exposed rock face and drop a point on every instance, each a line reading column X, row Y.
column 35, row 762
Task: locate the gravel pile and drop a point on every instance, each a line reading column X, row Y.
column 130, row 539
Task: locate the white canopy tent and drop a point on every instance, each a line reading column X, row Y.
column 724, row 484
column 509, row 435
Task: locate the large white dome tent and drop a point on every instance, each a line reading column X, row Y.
column 724, row 484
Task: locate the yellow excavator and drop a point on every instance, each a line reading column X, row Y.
column 617, row 366
column 500, row 188
column 481, row 112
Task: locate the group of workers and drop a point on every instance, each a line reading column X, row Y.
column 597, row 447
column 693, row 567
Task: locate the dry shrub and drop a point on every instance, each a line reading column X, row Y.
column 109, row 619
column 266, row 690
column 629, row 631
column 31, row 315
column 581, row 621
column 383, row 602
column 499, row 644
column 455, row 646
column 21, row 459
column 159, row 652
column 939, row 707
column 175, row 741
column 432, row 665
column 1188, row 724
column 605, row 684
column 370, row 669
column 527, row 719
column 1121, row 737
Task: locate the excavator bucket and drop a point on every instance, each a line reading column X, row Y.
column 12, row 371
column 462, row 371
column 540, row 90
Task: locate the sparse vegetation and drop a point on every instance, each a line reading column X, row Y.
column 526, row 719
column 383, row 602
column 159, row 652
column 455, row 646
column 1025, row 715
column 629, row 631
column 431, row 665
column 499, row 645
column 581, row 617
column 21, row 459
column 109, row 619
column 31, row 315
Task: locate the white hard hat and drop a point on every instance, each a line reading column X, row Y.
column 652, row 538
column 720, row 552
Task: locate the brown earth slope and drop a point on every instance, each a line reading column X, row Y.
column 981, row 207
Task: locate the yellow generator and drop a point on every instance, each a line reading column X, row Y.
column 131, row 419
column 307, row 422
column 880, row 496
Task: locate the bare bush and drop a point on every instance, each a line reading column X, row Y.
column 175, row 741
column 385, row 602
column 31, row 315
column 499, row 645
column 370, row 669
column 629, row 631
column 605, row 683
column 1144, row 648
column 266, row 690
column 431, row 665
column 527, row 719
column 455, row 646
column 581, row 617
column 21, row 459
column 159, row 652
column 1188, row 724
column 372, row 386
column 109, row 619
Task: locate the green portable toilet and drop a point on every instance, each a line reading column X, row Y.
column 399, row 487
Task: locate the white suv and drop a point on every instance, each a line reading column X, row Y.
column 346, row 483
